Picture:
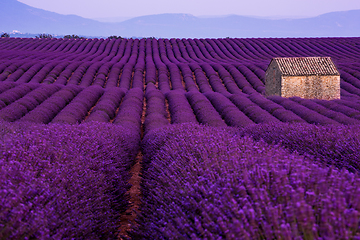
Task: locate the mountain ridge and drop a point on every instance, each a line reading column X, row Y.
column 26, row 19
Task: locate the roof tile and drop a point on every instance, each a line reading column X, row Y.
column 300, row 66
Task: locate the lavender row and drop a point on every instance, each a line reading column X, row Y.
column 228, row 111
column 120, row 59
column 257, row 84
column 16, row 92
column 188, row 77
column 105, row 109
column 18, row 72
column 335, row 115
column 352, row 104
column 9, row 69
column 63, row 181
column 227, row 79
column 186, row 51
column 126, row 75
column 215, row 46
column 47, row 110
column 275, row 109
column 150, row 75
column 22, row 106
column 194, row 51
column 200, row 78
column 156, row 115
column 198, row 50
column 258, row 190
column 4, row 86
column 45, row 74
column 54, row 74
column 354, row 73
column 79, row 73
column 183, row 50
column 252, row 110
column 162, row 70
column 86, row 76
column 130, row 112
column 102, row 74
column 305, row 113
column 208, row 50
column 175, row 77
column 204, row 111
column 4, row 65
column 139, row 68
column 79, row 107
column 174, row 72
column 336, row 145
column 30, row 73
column 42, row 73
column 179, row 108
column 350, row 79
column 240, row 80
column 214, row 80
column 173, row 51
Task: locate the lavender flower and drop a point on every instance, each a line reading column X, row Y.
column 49, row 174
column 209, row 182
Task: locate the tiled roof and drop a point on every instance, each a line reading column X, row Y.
column 300, row 66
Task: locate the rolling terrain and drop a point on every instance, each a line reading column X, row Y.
column 194, row 71
column 26, row 19
column 186, row 122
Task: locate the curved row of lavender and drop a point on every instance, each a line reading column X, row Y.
column 60, row 181
column 202, row 182
column 332, row 145
column 45, row 103
column 216, row 68
column 165, row 90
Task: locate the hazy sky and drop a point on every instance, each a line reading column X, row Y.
column 134, row 8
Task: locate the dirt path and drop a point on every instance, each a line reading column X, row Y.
column 127, row 220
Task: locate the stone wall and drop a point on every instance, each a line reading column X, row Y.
column 273, row 80
column 319, row 87
column 314, row 86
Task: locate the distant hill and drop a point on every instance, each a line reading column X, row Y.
column 21, row 17
column 339, row 24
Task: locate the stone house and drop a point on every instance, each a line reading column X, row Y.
column 305, row 77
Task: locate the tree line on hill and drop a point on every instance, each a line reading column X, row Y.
column 73, row 36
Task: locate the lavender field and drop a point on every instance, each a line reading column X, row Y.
column 219, row 159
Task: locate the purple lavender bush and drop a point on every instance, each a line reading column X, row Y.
column 105, row 108
column 201, row 182
column 179, row 108
column 48, row 109
column 337, row 145
column 27, row 103
column 80, row 106
column 62, row 181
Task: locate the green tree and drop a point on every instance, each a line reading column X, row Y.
column 73, row 36
column 44, row 35
column 115, row 37
column 5, row 35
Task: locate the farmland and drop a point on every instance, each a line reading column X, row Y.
column 220, row 160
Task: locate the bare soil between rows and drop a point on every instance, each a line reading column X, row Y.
column 127, row 220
